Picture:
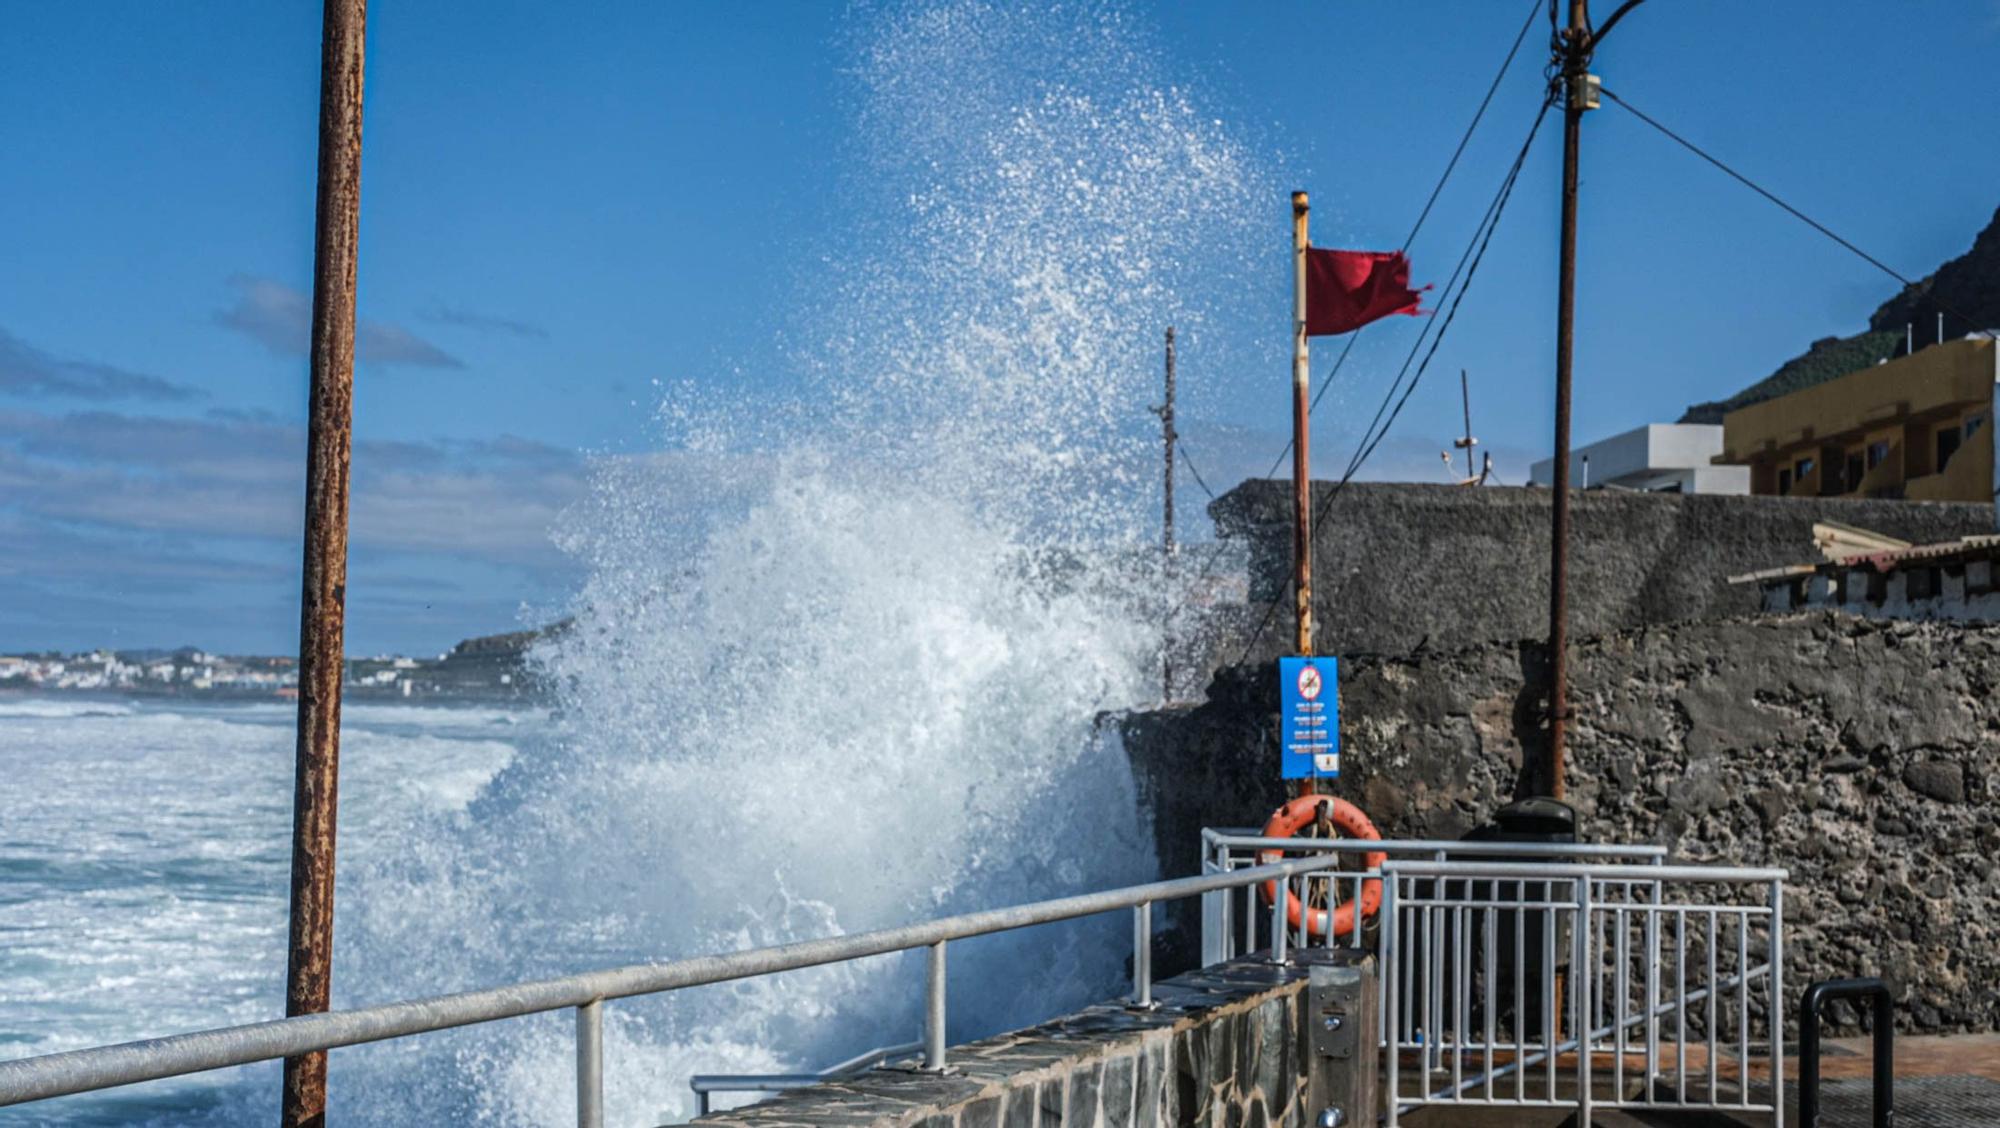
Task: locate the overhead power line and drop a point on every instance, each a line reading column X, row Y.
column 1492, row 225
column 1809, row 221
column 1326, row 382
column 1437, row 190
column 1192, row 469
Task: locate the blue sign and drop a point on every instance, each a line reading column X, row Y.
column 1309, row 717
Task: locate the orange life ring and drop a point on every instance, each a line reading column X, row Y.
column 1349, row 819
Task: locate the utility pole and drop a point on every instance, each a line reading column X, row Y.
column 1468, row 442
column 1575, row 60
column 1573, row 48
column 1168, row 435
column 1301, row 432
column 322, row 614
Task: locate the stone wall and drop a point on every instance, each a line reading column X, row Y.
column 1398, row 566
column 1225, row 1045
column 1863, row 755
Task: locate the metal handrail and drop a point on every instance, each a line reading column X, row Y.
column 1226, row 838
column 705, row 1083
column 1600, row 873
column 105, row 1067
column 1221, row 847
column 1253, row 838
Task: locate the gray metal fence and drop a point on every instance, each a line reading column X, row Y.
column 1494, row 954
column 105, row 1067
column 707, row 1084
column 1246, row 918
column 1583, row 986
column 1227, row 851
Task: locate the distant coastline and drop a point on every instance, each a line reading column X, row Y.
column 487, row 669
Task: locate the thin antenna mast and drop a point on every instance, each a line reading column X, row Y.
column 1167, row 437
column 1468, row 442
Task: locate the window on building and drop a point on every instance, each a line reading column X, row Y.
column 1850, row 478
column 1878, row 453
column 1973, row 424
column 1947, row 445
column 1802, row 469
column 1784, row 486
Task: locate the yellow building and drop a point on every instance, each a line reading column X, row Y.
column 1917, row 427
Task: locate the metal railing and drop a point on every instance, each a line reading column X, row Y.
column 1477, row 958
column 1443, row 932
column 106, row 1067
column 1223, row 851
column 705, row 1084
column 1230, row 929
column 1494, row 954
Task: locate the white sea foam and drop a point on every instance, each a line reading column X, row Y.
column 54, row 709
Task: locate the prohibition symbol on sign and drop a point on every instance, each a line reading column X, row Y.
column 1309, row 684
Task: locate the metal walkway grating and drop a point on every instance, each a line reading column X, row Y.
column 1955, row 1101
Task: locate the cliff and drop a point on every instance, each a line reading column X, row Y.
column 1966, row 290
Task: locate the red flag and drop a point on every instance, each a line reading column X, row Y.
column 1348, row 289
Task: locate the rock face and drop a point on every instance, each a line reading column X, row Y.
column 1966, row 290
column 1862, row 755
column 1401, row 566
column 1966, row 287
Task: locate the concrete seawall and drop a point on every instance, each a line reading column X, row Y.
column 1400, row 566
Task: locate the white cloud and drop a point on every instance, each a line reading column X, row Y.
column 30, row 372
column 280, row 318
column 238, row 476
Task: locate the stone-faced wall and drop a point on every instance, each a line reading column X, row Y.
column 1225, row 1045
column 1397, row 564
column 1862, row 755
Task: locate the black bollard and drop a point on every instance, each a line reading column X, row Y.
column 1810, row 1004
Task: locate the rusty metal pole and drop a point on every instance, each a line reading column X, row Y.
column 1302, row 545
column 322, row 615
column 1575, row 58
column 1301, row 432
column 1168, row 435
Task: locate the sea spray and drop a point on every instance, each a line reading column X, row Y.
column 844, row 640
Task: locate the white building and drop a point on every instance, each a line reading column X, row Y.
column 1658, row 457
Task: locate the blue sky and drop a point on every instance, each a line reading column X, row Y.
column 562, row 206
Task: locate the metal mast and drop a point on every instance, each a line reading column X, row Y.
column 1167, row 436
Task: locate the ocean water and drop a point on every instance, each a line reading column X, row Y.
column 144, row 860
column 839, row 661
